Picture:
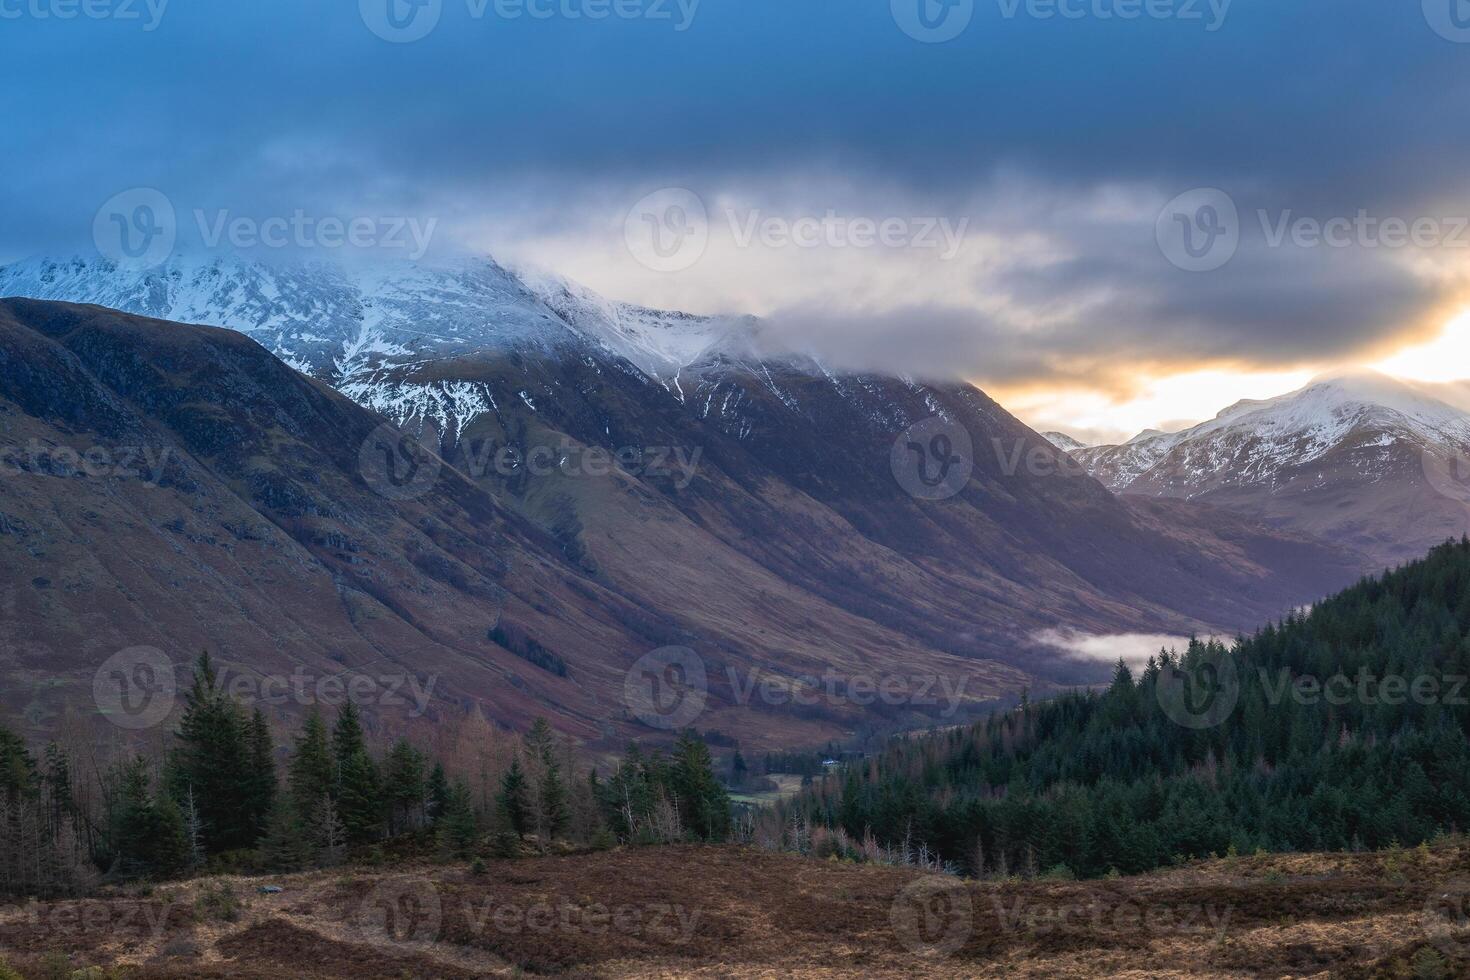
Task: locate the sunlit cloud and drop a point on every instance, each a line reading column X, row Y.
column 1445, row 358
column 1166, row 402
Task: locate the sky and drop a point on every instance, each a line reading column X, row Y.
column 1110, row 214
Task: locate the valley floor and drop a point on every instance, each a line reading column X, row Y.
column 737, row 912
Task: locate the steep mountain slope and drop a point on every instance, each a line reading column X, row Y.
column 1358, row 458
column 758, row 512
column 260, row 536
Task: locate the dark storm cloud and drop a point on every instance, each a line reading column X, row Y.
column 271, row 106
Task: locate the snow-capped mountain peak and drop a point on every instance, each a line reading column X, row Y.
column 1255, row 439
column 360, row 326
column 1337, row 456
column 1063, row 441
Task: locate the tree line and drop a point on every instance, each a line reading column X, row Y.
column 1342, row 728
column 222, row 796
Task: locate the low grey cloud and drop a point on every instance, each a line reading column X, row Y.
column 1098, row 303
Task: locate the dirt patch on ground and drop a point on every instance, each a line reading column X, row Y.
column 737, row 912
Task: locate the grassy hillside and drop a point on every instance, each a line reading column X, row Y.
column 727, row 912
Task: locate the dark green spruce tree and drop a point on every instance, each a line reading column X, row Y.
column 513, row 800
column 310, row 774
column 261, row 782
column 359, row 793
column 704, row 806
column 404, row 787
column 212, row 758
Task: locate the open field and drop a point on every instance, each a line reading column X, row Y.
column 739, row 912
column 787, row 786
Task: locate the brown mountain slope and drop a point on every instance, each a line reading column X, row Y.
column 260, row 538
column 795, row 493
column 785, row 551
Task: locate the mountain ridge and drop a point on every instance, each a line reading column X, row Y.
column 1353, row 456
column 794, row 546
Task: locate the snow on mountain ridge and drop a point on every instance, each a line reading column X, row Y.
column 661, row 342
column 357, row 326
column 1254, row 440
column 1063, row 441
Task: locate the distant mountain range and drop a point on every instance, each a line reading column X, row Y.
column 1359, row 458
column 772, row 515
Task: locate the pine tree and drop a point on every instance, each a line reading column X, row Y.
column 285, row 846
column 310, row 774
column 359, row 798
column 403, row 787
column 358, row 790
column 212, row 759
column 260, row 788
column 553, row 801
column 550, row 806
column 147, row 831
column 514, row 807
column 704, row 806
column 459, row 831
column 169, row 851
column 347, row 737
